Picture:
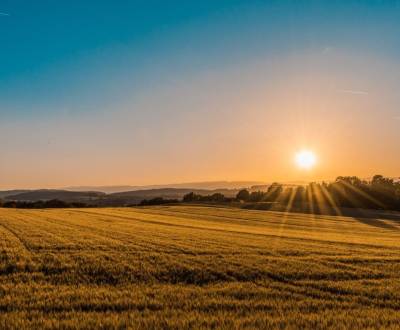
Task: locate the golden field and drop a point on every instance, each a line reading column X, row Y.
column 196, row 267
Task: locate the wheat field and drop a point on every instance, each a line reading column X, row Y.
column 184, row 267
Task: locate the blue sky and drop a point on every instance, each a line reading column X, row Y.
column 67, row 61
column 64, row 53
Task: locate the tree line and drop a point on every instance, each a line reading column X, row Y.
column 346, row 191
column 50, row 204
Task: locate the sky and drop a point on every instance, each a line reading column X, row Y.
column 156, row 92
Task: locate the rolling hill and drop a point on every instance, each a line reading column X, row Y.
column 48, row 194
column 6, row 193
column 115, row 199
column 207, row 185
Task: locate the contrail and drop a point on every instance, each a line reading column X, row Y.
column 351, row 91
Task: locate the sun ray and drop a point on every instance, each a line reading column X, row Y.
column 330, row 200
column 285, row 216
column 363, row 194
column 310, row 200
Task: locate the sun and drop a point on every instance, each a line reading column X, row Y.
column 305, row 159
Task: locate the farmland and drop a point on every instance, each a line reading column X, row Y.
column 196, row 267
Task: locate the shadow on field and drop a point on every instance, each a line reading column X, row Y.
column 376, row 223
column 374, row 218
column 369, row 217
column 326, row 210
column 371, row 214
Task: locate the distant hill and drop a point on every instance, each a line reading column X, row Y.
column 48, row 194
column 104, row 189
column 136, row 196
column 5, row 193
column 114, row 199
column 172, row 192
column 208, row 185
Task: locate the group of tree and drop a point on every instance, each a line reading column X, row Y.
column 351, row 191
column 49, row 204
column 214, row 198
column 271, row 195
column 345, row 191
column 157, row 201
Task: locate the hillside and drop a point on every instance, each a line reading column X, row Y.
column 136, row 196
column 206, row 185
column 172, row 192
column 48, row 194
column 6, row 193
column 188, row 267
column 115, row 199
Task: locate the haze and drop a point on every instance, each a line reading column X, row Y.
column 153, row 92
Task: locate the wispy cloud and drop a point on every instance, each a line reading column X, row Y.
column 4, row 14
column 327, row 49
column 352, row 91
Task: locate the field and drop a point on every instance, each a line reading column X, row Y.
column 196, row 267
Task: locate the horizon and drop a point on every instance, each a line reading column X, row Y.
column 207, row 185
column 148, row 93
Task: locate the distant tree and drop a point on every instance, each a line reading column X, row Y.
column 55, row 203
column 379, row 193
column 352, row 180
column 11, row 204
column 380, row 179
column 217, row 197
column 188, row 197
column 243, row 195
column 40, row 204
column 299, row 195
column 274, row 191
column 257, row 196
column 191, row 197
column 385, row 191
column 78, row 205
column 287, row 196
column 157, row 201
column 345, row 191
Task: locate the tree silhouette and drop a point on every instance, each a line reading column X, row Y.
column 243, row 195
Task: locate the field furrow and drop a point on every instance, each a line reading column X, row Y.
column 196, row 267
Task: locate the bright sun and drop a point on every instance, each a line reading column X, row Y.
column 305, row 159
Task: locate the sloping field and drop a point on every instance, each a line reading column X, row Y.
column 196, row 267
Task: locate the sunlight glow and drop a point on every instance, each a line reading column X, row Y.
column 305, row 159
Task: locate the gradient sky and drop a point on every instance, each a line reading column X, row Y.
column 147, row 92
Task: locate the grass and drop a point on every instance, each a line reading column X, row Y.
column 196, row 267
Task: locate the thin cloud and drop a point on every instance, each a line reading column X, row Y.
column 327, row 49
column 352, row 91
column 4, row 14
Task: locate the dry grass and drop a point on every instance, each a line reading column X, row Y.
column 196, row 267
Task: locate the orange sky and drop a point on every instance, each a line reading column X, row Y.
column 142, row 92
column 240, row 123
